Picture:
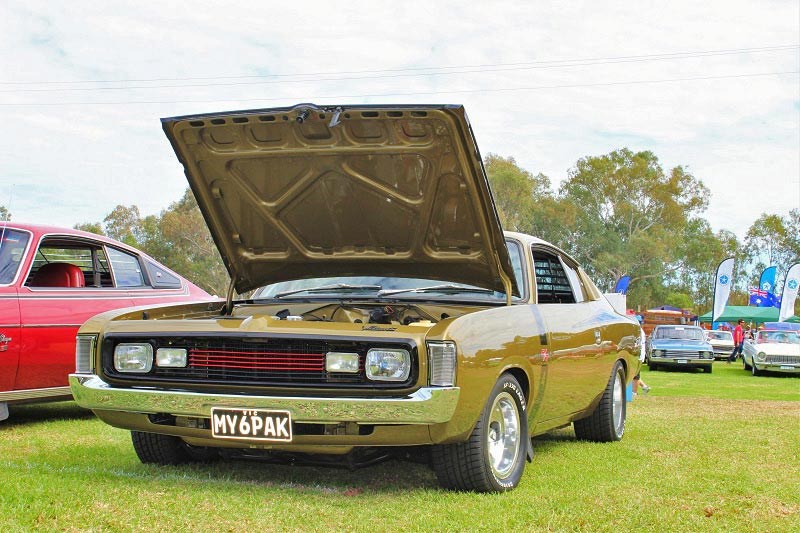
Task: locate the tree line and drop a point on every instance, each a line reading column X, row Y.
column 618, row 214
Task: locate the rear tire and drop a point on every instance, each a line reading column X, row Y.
column 607, row 422
column 152, row 448
column 492, row 459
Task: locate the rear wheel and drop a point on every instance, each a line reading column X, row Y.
column 493, row 458
column 168, row 450
column 607, row 422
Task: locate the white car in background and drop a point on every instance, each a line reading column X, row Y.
column 772, row 350
column 722, row 343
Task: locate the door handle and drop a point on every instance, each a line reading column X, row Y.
column 4, row 342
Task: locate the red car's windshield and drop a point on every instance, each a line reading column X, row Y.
column 12, row 248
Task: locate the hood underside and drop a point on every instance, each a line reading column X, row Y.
column 304, row 192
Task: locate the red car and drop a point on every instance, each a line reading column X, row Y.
column 51, row 281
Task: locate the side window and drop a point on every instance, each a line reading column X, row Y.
column 161, row 278
column 575, row 281
column 127, row 271
column 63, row 262
column 552, row 283
column 515, row 253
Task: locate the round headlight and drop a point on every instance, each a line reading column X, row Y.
column 388, row 364
column 761, row 356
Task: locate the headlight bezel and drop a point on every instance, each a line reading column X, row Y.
column 118, row 358
column 372, row 363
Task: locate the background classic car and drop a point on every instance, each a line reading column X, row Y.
column 51, row 281
column 721, row 342
column 396, row 313
column 772, row 350
column 679, row 346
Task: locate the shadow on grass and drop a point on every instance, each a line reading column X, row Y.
column 24, row 414
column 392, row 476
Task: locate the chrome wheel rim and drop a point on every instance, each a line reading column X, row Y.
column 619, row 404
column 503, row 438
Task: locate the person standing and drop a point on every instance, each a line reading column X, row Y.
column 738, row 341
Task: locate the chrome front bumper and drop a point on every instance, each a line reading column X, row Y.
column 790, row 368
column 432, row 405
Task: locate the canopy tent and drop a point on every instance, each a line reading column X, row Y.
column 748, row 313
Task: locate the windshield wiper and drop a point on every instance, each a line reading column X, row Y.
column 328, row 288
column 437, row 288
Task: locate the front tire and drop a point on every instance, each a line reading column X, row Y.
column 746, row 366
column 756, row 372
column 493, row 458
column 607, row 422
column 152, row 448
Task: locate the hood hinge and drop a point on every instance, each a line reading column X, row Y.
column 229, row 298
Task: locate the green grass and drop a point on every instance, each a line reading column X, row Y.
column 717, row 452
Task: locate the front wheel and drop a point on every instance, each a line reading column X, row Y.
column 607, row 421
column 493, row 458
column 168, row 450
column 756, row 372
column 746, row 366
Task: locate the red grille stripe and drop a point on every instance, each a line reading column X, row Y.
column 276, row 361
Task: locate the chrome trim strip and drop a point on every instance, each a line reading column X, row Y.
column 32, row 394
column 52, row 325
column 432, row 405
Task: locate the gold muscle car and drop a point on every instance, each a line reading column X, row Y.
column 391, row 310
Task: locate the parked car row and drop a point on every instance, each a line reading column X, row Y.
column 693, row 347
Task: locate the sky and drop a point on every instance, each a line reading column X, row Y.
column 712, row 86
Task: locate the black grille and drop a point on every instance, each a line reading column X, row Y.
column 259, row 361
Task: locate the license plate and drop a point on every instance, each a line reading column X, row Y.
column 787, row 367
column 251, row 424
column 682, row 361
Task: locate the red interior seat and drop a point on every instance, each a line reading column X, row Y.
column 58, row 275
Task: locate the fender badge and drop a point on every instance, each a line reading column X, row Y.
column 545, row 353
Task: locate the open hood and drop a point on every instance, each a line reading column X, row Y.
column 312, row 191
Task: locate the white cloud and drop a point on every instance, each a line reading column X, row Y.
column 70, row 164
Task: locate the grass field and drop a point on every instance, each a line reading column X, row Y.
column 718, row 452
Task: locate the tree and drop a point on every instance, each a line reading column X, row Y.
column 766, row 240
column 4, row 214
column 91, row 227
column 629, row 214
column 180, row 239
column 515, row 191
column 124, row 224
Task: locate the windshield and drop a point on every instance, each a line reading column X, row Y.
column 781, row 337
column 719, row 335
column 12, row 247
column 385, row 286
column 679, row 332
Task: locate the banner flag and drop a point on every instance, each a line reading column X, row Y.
column 622, row 285
column 767, row 281
column 722, row 287
column 789, row 292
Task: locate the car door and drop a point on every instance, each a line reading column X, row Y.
column 13, row 247
column 575, row 368
column 51, row 315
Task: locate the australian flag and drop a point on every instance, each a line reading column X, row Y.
column 761, row 298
